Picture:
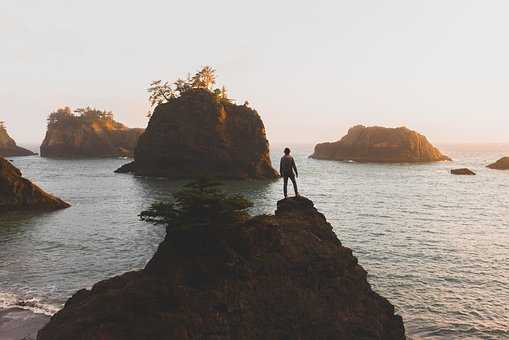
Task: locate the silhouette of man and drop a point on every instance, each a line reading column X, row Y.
column 286, row 169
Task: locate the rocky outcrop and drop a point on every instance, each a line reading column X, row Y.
column 380, row 145
column 197, row 135
column 18, row 193
column 77, row 137
column 8, row 147
column 501, row 164
column 462, row 171
column 282, row 276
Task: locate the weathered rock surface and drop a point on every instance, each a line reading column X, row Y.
column 380, row 145
column 89, row 138
column 196, row 135
column 462, row 171
column 8, row 147
column 501, row 164
column 18, row 193
column 282, row 276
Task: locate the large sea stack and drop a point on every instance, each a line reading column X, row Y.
column 8, row 147
column 501, row 164
column 200, row 133
column 18, row 193
column 380, row 145
column 89, row 133
column 273, row 277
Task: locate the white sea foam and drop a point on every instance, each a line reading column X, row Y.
column 33, row 304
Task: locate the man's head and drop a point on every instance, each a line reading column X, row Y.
column 287, row 151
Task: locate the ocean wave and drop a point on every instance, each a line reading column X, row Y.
column 33, row 304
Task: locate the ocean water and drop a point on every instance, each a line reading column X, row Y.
column 434, row 244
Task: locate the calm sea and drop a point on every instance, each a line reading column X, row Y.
column 434, row 244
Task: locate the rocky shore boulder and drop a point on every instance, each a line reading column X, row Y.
column 90, row 133
column 501, row 164
column 380, row 145
column 462, row 171
column 8, row 147
column 18, row 193
column 197, row 134
column 282, row 276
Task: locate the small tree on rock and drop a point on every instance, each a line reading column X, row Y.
column 198, row 204
column 205, row 78
column 160, row 92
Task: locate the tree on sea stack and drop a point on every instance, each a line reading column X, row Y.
column 162, row 92
column 198, row 204
column 2, row 125
column 205, row 78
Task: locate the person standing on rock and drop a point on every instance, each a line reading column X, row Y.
column 286, row 169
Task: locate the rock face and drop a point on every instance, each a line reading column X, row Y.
column 283, row 276
column 196, row 135
column 18, row 193
column 89, row 138
column 8, row 147
column 501, row 164
column 380, row 145
column 462, row 171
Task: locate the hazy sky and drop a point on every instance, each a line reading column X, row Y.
column 311, row 68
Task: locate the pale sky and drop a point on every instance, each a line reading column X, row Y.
column 312, row 69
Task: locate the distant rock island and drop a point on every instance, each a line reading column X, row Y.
column 87, row 133
column 282, row 276
column 8, row 147
column 195, row 131
column 18, row 193
column 462, row 171
column 501, row 164
column 380, row 145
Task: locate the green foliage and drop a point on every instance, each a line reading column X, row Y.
column 205, row 79
column 199, row 204
column 159, row 92
column 66, row 116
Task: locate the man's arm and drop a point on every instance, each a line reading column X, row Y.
column 295, row 168
column 281, row 167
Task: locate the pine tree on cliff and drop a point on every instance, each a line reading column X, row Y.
column 204, row 79
column 198, row 204
column 60, row 116
column 2, row 125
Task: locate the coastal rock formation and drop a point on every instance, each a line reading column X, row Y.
column 197, row 134
column 282, row 276
column 380, row 145
column 8, row 147
column 501, row 164
column 18, row 193
column 462, row 171
column 92, row 133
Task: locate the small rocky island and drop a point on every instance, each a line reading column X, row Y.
column 380, row 145
column 198, row 131
column 462, row 171
column 8, row 147
column 18, row 193
column 282, row 276
column 501, row 164
column 87, row 132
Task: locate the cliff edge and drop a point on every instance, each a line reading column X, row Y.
column 8, row 147
column 18, row 193
column 282, row 276
column 197, row 134
column 90, row 133
column 380, row 145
